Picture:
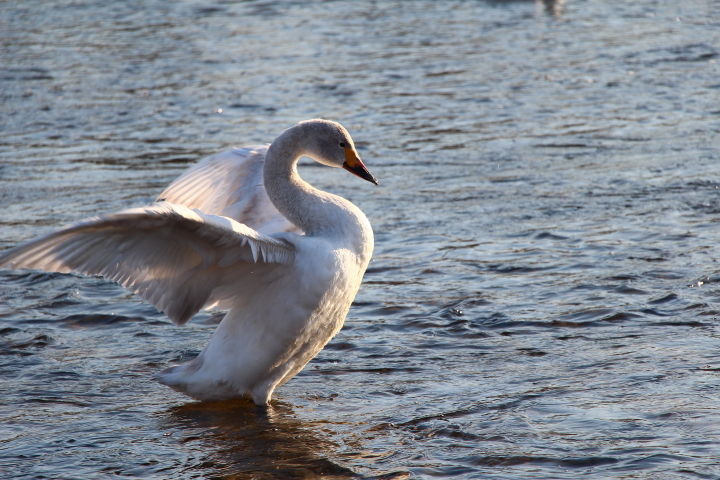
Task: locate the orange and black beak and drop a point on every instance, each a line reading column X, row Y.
column 354, row 165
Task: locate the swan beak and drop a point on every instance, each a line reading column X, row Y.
column 354, row 165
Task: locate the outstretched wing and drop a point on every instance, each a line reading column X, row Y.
column 230, row 184
column 177, row 259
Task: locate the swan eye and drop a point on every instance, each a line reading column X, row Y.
column 342, row 144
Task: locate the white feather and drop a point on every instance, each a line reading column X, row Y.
column 229, row 232
column 162, row 252
column 230, row 184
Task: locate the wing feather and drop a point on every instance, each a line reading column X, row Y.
column 230, row 184
column 167, row 254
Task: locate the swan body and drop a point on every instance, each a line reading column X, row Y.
column 242, row 231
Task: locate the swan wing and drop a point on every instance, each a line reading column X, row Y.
column 177, row 259
column 230, row 184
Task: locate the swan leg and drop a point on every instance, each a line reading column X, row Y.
column 261, row 393
column 261, row 396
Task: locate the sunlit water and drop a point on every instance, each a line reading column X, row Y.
column 544, row 297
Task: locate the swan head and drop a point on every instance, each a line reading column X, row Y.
column 329, row 143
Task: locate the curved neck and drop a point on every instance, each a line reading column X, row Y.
column 315, row 212
column 294, row 198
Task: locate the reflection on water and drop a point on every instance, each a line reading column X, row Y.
column 245, row 441
column 552, row 7
column 544, row 296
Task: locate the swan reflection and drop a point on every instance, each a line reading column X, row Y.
column 551, row 7
column 236, row 439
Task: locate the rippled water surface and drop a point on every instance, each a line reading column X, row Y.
column 544, row 297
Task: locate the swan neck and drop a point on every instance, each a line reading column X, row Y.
column 290, row 194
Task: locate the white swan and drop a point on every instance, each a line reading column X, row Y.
column 240, row 230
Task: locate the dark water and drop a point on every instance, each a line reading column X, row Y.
column 545, row 293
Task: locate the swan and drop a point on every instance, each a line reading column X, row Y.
column 243, row 232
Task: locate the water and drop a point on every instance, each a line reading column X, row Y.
column 543, row 299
